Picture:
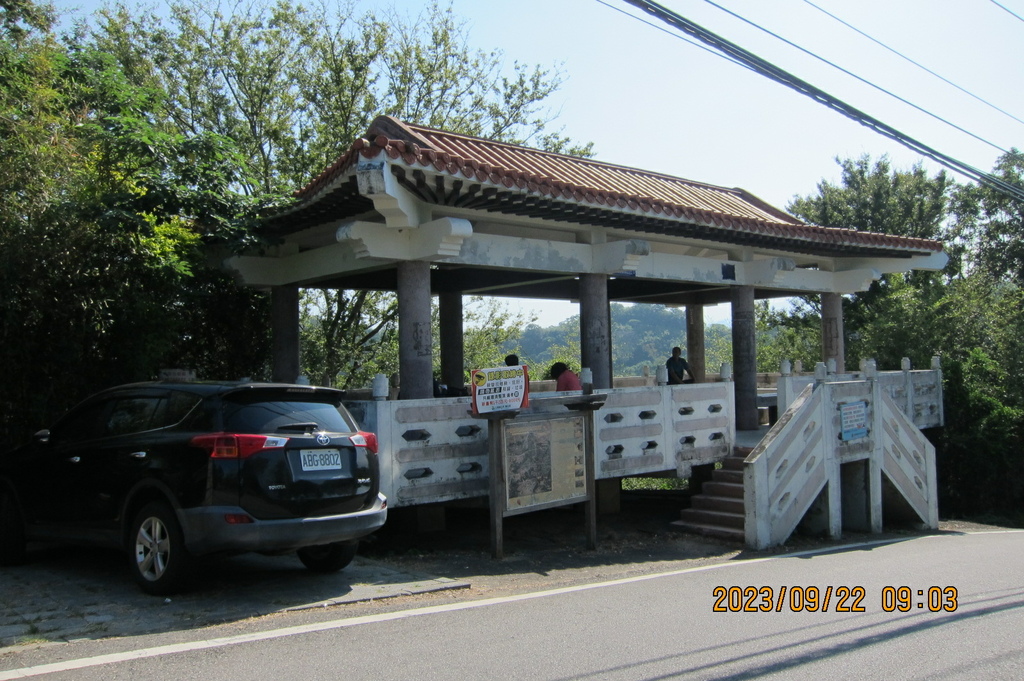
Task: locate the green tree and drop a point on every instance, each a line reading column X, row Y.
column 104, row 213
column 790, row 335
column 972, row 315
column 491, row 331
column 875, row 197
column 295, row 85
column 365, row 332
column 991, row 225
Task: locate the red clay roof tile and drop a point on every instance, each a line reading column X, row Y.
column 585, row 180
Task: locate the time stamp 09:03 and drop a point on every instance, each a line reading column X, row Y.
column 834, row 598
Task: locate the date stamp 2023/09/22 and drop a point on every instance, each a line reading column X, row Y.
column 831, row 598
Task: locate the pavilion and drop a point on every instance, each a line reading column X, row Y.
column 425, row 212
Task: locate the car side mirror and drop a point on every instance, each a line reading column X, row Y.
column 42, row 436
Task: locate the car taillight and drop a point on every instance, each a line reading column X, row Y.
column 365, row 439
column 236, row 446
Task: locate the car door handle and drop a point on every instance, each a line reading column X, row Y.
column 138, row 455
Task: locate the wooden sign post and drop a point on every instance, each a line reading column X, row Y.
column 542, row 459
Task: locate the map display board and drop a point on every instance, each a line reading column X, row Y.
column 545, row 462
column 500, row 389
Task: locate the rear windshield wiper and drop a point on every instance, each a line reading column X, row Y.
column 303, row 427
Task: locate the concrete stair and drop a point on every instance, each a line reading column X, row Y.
column 718, row 510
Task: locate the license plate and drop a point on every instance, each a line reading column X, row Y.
column 320, row 459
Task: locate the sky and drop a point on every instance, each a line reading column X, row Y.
column 648, row 99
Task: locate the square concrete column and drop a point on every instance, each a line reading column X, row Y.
column 415, row 342
column 695, row 355
column 453, row 359
column 744, row 357
column 284, row 323
column 833, row 343
column 596, row 328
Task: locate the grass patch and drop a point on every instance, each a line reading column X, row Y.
column 646, row 484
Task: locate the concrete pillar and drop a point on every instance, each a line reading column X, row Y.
column 833, row 345
column 596, row 328
column 744, row 357
column 415, row 345
column 453, row 360
column 695, row 355
column 284, row 322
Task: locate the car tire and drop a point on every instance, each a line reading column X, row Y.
column 160, row 562
column 12, row 531
column 328, row 557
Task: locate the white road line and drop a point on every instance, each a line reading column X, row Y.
column 113, row 658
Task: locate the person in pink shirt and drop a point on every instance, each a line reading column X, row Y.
column 564, row 377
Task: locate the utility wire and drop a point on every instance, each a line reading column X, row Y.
column 854, row 75
column 1007, row 10
column 675, row 35
column 768, row 69
column 906, row 58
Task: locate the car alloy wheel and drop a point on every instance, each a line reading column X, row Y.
column 158, row 556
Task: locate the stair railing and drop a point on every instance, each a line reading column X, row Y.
column 833, row 423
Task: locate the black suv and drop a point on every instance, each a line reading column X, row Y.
column 173, row 471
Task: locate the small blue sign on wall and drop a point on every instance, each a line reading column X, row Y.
column 853, row 418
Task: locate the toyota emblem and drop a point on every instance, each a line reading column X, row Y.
column 322, row 439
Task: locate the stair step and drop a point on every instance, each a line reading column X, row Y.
column 740, row 451
column 712, row 503
column 716, row 531
column 720, row 518
column 722, row 475
column 733, row 463
column 723, row 489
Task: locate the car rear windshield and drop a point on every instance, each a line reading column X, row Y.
column 271, row 416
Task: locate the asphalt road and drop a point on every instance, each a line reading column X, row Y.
column 964, row 611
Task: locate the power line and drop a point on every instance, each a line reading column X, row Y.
column 768, row 69
column 1002, row 7
column 674, row 35
column 854, row 75
column 918, row 65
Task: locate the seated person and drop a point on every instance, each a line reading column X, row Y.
column 678, row 369
column 565, row 378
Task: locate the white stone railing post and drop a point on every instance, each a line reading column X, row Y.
column 379, row 387
column 875, row 460
column 785, row 387
column 937, row 368
column 908, row 383
column 820, row 373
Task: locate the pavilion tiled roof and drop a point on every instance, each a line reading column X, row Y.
column 583, row 190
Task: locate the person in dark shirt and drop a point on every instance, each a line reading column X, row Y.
column 678, row 369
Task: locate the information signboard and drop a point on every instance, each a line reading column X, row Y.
column 853, row 418
column 545, row 462
column 500, row 389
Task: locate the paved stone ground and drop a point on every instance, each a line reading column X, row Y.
column 65, row 594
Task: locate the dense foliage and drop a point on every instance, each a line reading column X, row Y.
column 642, row 339
column 140, row 150
column 971, row 315
column 104, row 217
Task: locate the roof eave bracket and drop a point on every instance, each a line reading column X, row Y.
column 399, row 208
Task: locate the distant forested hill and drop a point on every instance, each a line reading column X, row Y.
column 642, row 335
